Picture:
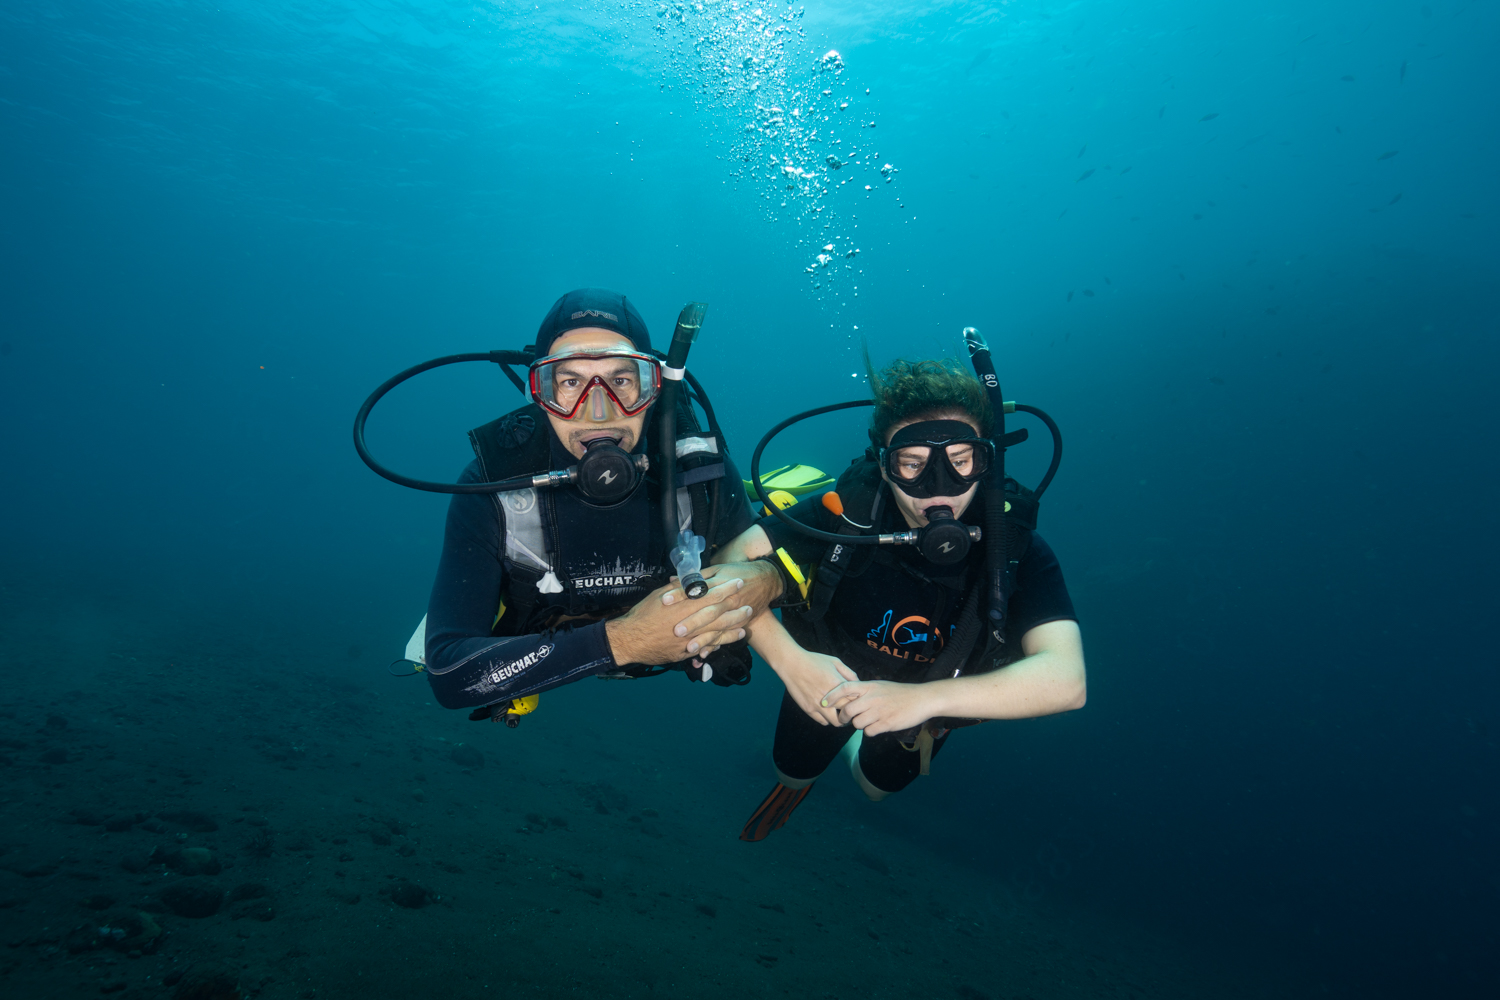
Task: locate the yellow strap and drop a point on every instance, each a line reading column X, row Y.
column 794, row 570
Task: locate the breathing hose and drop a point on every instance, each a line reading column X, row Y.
column 502, row 358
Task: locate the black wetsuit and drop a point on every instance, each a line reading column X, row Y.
column 606, row 559
column 888, row 622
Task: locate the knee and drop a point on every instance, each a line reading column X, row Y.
column 872, row 792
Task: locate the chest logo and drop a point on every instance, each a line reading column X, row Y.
column 613, row 579
column 906, row 639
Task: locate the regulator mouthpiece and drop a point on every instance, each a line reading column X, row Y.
column 945, row 540
column 607, row 473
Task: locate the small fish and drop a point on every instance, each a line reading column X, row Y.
column 1070, row 296
column 1387, row 155
column 1081, row 151
column 1347, row 79
column 1126, row 171
column 1209, row 117
column 1162, row 111
column 1089, row 292
column 1403, row 71
column 1393, row 201
column 1107, row 281
column 1216, row 380
column 1085, row 175
column 1326, row 369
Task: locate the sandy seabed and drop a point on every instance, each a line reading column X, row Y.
column 247, row 823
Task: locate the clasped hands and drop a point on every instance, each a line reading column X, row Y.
column 667, row 626
column 831, row 693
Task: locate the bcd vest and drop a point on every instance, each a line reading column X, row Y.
column 519, row 444
column 862, row 491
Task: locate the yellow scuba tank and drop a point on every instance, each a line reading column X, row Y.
column 781, row 498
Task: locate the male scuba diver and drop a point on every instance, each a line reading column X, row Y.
column 881, row 646
column 565, row 574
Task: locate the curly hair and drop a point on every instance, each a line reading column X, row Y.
column 906, row 389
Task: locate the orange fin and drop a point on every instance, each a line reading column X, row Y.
column 773, row 813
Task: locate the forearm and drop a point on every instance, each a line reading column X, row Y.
column 1045, row 683
column 772, row 641
column 480, row 671
column 752, row 544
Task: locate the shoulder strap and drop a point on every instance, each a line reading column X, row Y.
column 860, row 489
column 517, row 445
column 1021, row 510
column 514, row 445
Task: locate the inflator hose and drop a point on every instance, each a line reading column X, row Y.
column 782, row 515
column 689, row 322
column 999, row 531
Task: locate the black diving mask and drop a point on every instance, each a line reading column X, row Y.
column 936, row 458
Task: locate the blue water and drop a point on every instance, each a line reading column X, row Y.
column 1244, row 254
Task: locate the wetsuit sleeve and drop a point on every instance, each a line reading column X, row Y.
column 1041, row 595
column 466, row 664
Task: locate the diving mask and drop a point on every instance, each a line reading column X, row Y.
column 564, row 383
column 936, row 458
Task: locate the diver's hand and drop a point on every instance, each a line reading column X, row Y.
column 808, row 677
column 645, row 634
column 720, row 615
column 881, row 706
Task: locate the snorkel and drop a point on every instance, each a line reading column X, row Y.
column 686, row 554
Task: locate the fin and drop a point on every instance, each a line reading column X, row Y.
column 794, row 479
column 773, row 813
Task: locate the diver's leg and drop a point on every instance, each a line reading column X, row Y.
column 881, row 765
column 802, row 751
column 851, row 754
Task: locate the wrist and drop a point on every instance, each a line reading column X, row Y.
column 790, row 590
column 939, row 698
column 773, row 578
column 618, row 638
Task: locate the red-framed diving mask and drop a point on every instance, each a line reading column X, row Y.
column 564, row 383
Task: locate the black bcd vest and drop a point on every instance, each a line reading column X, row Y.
column 519, row 444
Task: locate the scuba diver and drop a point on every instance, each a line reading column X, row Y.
column 558, row 553
column 895, row 627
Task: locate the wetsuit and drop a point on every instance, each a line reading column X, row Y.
column 888, row 622
column 606, row 560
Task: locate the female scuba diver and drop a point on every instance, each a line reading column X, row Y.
column 860, row 645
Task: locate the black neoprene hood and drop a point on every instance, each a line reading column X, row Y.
column 593, row 307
